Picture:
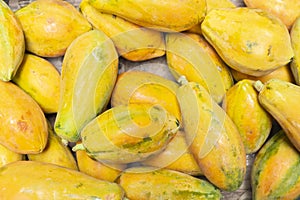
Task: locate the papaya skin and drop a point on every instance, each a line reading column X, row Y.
column 23, row 125
column 8, row 156
column 295, row 38
column 37, row 180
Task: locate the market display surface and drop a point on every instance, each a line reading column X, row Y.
column 104, row 99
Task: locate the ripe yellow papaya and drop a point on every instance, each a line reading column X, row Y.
column 97, row 169
column 295, row 38
column 210, row 132
column 250, row 41
column 41, row 80
column 146, row 87
column 133, row 42
column 254, row 123
column 215, row 4
column 55, row 152
column 89, row 72
column 50, row 26
column 126, row 134
column 23, row 125
column 283, row 73
column 12, row 43
column 287, row 11
column 176, row 156
column 191, row 56
column 148, row 183
column 275, row 171
column 280, row 99
column 155, row 14
column 8, row 156
column 37, row 180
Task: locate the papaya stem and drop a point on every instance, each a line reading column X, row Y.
column 182, row 80
column 65, row 142
column 258, row 85
column 78, row 147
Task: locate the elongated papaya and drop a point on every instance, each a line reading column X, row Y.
column 41, row 80
column 254, row 123
column 275, row 172
column 146, row 87
column 55, row 152
column 126, row 134
column 89, row 71
column 251, row 41
column 133, row 42
column 210, row 132
column 50, row 26
column 12, row 43
column 141, row 183
column 295, row 38
column 23, row 125
column 37, row 180
column 280, row 98
column 155, row 14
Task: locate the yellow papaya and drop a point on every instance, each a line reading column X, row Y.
column 210, row 132
column 287, row 11
column 37, row 180
column 254, row 123
column 88, row 74
column 41, row 80
column 133, row 42
column 127, row 134
column 155, row 14
column 8, row 156
column 275, row 171
column 250, row 41
column 23, row 125
column 141, row 183
column 295, row 38
column 55, row 152
column 189, row 55
column 12, row 43
column 216, row 4
column 50, row 26
column 280, row 99
column 145, row 87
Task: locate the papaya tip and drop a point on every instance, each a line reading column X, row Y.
column 258, row 85
column 182, row 80
column 78, row 147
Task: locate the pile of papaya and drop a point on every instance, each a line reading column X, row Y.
column 86, row 130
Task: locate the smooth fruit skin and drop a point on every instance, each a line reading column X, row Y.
column 133, row 42
column 41, row 80
column 258, row 44
column 280, row 99
column 37, row 180
column 146, row 183
column 210, row 132
column 88, row 75
column 295, row 38
column 252, row 120
column 50, row 26
column 12, row 43
column 23, row 125
column 275, row 172
column 8, row 156
column 181, row 14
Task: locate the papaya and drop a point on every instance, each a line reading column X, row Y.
column 38, row 180
column 89, row 72
column 23, row 125
column 8, row 156
column 155, row 14
column 295, row 38
column 275, row 172
column 12, row 43
column 287, row 11
column 254, row 123
column 50, row 26
column 127, row 134
column 280, row 98
column 133, row 42
column 210, row 132
column 145, row 87
column 258, row 44
column 141, row 183
column 41, row 80
column 55, row 152
column 191, row 56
